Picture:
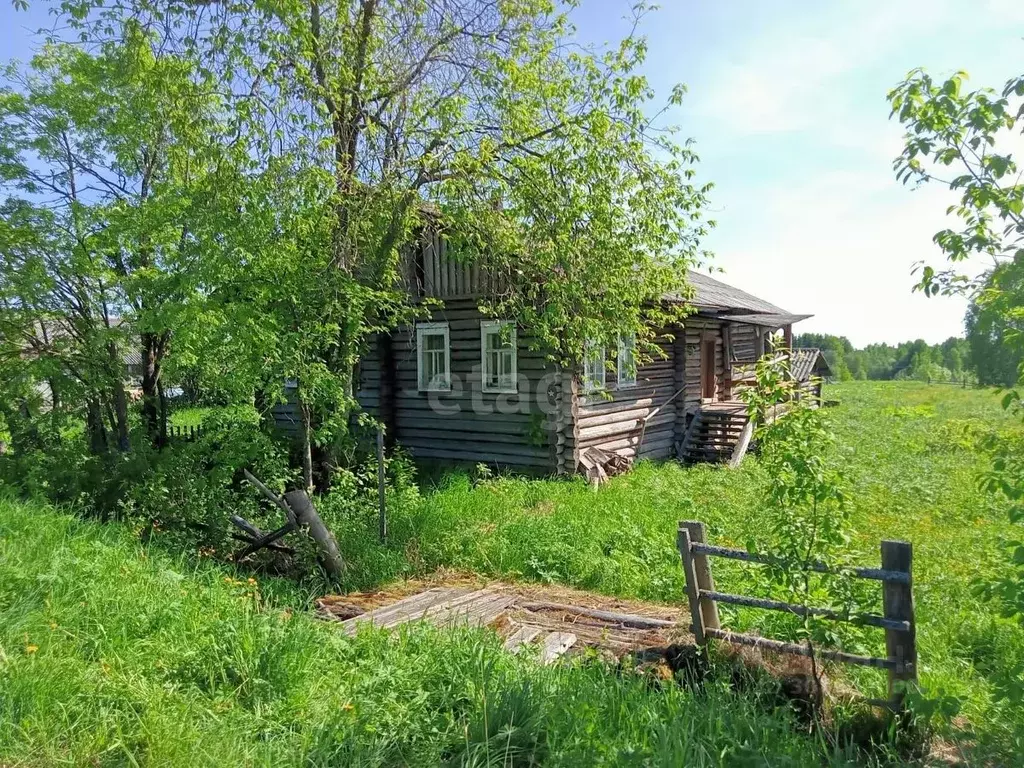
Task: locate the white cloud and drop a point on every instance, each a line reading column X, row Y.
column 842, row 247
column 795, row 129
column 789, row 78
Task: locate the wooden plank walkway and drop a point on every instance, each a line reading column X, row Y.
column 452, row 606
column 441, row 607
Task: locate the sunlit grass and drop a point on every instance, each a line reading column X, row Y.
column 114, row 655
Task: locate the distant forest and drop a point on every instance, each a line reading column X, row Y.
column 949, row 361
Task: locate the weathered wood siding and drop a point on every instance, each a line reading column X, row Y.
column 431, row 268
column 613, row 419
column 745, row 342
column 468, row 424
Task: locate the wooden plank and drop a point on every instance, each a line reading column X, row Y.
column 877, row 574
column 799, row 650
column 442, row 613
column 742, row 444
column 429, row 271
column 624, row 619
column 555, row 645
column 403, row 610
column 522, row 636
column 898, row 605
column 692, row 590
column 868, row 619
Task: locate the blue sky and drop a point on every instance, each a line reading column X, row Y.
column 787, row 105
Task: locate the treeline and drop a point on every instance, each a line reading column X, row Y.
column 917, row 360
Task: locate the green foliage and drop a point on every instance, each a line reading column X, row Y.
column 246, row 236
column 994, row 328
column 112, row 652
column 965, row 130
column 806, row 517
column 910, row 456
column 952, row 360
column 950, row 128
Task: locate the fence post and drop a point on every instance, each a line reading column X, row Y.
column 898, row 603
column 698, row 572
column 383, row 521
column 692, row 594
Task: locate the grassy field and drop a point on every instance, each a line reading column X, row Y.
column 910, row 457
column 112, row 653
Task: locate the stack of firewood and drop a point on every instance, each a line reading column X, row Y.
column 598, row 465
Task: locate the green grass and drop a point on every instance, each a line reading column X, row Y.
column 190, row 416
column 910, row 457
column 111, row 654
column 198, row 670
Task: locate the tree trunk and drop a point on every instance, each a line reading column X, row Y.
column 120, row 398
column 150, row 381
column 94, row 427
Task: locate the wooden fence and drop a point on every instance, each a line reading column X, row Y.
column 184, row 433
column 897, row 605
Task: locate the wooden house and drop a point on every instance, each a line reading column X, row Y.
column 461, row 387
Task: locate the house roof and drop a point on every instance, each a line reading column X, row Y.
column 805, row 361
column 711, row 295
column 770, row 320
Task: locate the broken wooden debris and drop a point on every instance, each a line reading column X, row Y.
column 555, row 645
column 623, row 619
column 598, row 465
column 522, row 636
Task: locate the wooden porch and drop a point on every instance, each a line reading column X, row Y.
column 718, row 432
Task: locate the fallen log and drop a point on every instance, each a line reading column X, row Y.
column 625, row 619
column 307, row 517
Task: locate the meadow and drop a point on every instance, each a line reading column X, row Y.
column 117, row 652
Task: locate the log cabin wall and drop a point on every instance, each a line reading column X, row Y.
column 467, row 425
column 612, row 419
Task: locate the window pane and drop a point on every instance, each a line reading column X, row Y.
column 627, row 360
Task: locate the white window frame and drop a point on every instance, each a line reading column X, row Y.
column 624, row 377
column 487, row 328
column 594, row 380
column 433, row 329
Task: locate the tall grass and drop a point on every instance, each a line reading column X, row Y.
column 112, row 654
column 910, row 455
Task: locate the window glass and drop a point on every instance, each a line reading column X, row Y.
column 498, row 355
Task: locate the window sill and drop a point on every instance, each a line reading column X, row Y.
column 498, row 391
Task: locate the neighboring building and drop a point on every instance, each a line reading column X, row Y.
column 461, row 387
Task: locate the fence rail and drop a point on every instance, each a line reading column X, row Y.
column 897, row 605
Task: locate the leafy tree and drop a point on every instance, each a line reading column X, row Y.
column 105, row 161
column 542, row 162
column 806, row 514
column 949, row 128
column 994, row 338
